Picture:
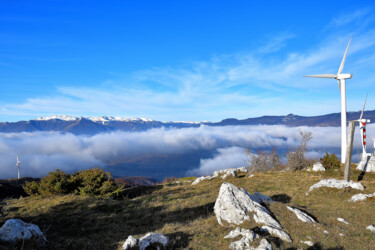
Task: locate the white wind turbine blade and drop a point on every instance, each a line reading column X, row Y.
column 364, row 105
column 322, row 76
column 344, row 58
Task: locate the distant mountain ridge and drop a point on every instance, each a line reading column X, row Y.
column 95, row 125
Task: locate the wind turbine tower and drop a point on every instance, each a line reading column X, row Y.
column 341, row 79
column 18, row 165
column 362, row 126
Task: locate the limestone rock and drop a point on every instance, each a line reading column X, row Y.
column 258, row 197
column 308, row 242
column 145, row 241
column 343, row 220
column 339, row 184
column 151, row 238
column 361, row 197
column 318, row 167
column 15, row 229
column 229, row 172
column 278, row 232
column 301, row 215
column 371, row 228
column 199, row 179
column 264, row 245
column 367, row 164
column 234, row 204
column 130, row 242
column 249, row 234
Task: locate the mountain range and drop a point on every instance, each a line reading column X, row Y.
column 95, row 125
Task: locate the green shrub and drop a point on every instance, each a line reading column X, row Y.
column 330, row 161
column 91, row 182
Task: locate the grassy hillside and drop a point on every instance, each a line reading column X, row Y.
column 185, row 214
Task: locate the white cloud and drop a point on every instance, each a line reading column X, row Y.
column 42, row 152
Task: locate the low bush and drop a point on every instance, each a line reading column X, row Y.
column 91, row 182
column 330, row 161
column 263, row 160
column 296, row 159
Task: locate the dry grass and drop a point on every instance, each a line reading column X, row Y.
column 185, row 214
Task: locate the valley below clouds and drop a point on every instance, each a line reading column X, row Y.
column 160, row 152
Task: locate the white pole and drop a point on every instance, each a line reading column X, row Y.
column 18, row 171
column 343, row 121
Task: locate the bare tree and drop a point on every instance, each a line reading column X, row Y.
column 263, row 160
column 296, row 159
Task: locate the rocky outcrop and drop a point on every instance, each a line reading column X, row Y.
column 361, row 197
column 199, row 179
column 145, row 241
column 318, row 167
column 14, row 230
column 235, row 205
column 224, row 173
column 301, row 215
column 339, row 184
column 367, row 164
column 277, row 231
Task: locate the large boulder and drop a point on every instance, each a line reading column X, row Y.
column 235, row 205
column 367, row 164
column 14, row 230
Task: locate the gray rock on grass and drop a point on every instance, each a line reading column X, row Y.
column 234, row 205
column 301, row 215
column 361, row 197
column 145, row 241
column 14, row 230
column 318, row 167
column 339, row 184
column 371, row 228
column 367, row 164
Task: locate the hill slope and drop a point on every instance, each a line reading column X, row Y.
column 185, row 214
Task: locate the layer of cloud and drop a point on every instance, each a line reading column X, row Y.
column 43, row 152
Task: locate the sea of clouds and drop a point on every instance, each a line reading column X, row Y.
column 41, row 152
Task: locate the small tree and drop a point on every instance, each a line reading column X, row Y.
column 296, row 159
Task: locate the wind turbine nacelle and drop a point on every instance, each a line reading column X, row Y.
column 344, row 76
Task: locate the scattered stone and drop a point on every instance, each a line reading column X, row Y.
column 199, row 179
column 361, row 197
column 342, row 235
column 318, row 167
column 251, row 175
column 371, row 228
column 130, row 242
column 145, row 241
column 367, row 164
column 343, row 221
column 15, row 229
column 301, row 215
column 233, row 205
column 278, row 232
column 325, row 231
column 308, row 242
column 249, row 234
column 339, row 184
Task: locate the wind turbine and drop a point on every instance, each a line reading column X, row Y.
column 362, row 127
column 341, row 78
column 18, row 165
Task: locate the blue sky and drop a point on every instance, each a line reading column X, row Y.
column 182, row 60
